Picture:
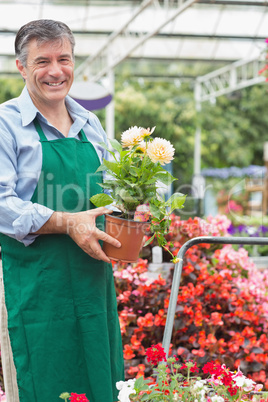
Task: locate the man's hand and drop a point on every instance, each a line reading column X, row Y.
column 81, row 227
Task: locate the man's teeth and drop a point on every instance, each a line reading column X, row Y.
column 54, row 84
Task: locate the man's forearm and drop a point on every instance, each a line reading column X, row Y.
column 58, row 223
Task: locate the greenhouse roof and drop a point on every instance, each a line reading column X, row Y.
column 109, row 32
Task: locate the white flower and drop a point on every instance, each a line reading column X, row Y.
column 201, row 384
column 126, row 388
column 245, row 383
column 132, row 136
column 217, row 398
column 160, row 150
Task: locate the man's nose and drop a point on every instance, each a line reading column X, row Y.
column 55, row 68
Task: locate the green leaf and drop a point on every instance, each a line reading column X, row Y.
column 214, row 261
column 149, row 240
column 116, row 145
column 101, row 168
column 139, row 382
column 134, row 171
column 104, row 145
column 126, row 196
column 176, row 201
column 105, row 185
column 101, row 200
column 155, row 211
column 123, row 154
column 112, row 166
column 165, row 177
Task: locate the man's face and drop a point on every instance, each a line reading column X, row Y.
column 49, row 71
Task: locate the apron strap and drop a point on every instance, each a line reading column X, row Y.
column 81, row 134
column 39, row 130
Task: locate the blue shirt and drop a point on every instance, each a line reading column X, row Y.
column 21, row 161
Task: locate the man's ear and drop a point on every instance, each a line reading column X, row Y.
column 21, row 68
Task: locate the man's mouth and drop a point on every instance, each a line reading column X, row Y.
column 54, row 84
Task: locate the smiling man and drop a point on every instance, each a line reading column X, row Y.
column 58, row 284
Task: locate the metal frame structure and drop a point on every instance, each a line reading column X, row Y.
column 231, row 78
column 210, row 30
column 171, row 30
column 114, row 60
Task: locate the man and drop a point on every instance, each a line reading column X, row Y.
column 59, row 290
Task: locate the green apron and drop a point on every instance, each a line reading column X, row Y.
column 62, row 312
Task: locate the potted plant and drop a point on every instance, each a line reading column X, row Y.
column 133, row 178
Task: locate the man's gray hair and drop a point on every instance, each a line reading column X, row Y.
column 43, row 31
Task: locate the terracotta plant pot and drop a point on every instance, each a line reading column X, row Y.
column 130, row 234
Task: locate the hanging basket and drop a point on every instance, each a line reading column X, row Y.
column 130, row 233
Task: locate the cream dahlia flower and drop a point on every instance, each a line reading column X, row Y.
column 146, row 132
column 160, row 150
column 132, row 136
column 141, row 147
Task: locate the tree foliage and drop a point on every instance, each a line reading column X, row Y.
column 10, row 88
column 234, row 130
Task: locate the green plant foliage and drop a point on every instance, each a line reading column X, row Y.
column 10, row 88
column 234, row 130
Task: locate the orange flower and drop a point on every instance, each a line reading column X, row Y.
column 159, row 319
column 148, row 320
column 128, row 352
column 132, row 370
column 135, row 342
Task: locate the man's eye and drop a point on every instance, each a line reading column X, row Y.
column 42, row 62
column 64, row 61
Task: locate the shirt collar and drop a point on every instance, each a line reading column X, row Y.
column 76, row 109
column 29, row 110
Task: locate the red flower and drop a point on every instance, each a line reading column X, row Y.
column 155, row 354
column 78, row 398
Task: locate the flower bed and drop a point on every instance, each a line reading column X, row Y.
column 173, row 381
column 222, row 311
column 222, row 306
